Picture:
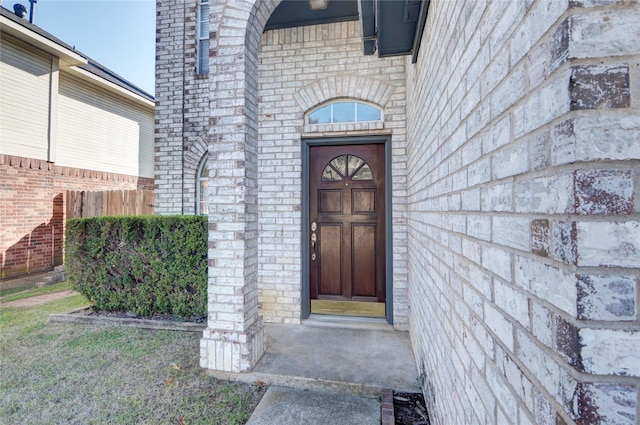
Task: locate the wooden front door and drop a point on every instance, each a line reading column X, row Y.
column 347, row 219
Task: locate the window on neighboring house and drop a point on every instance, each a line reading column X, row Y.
column 202, row 186
column 202, row 67
column 343, row 112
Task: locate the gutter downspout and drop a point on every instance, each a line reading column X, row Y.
column 422, row 18
column 52, row 131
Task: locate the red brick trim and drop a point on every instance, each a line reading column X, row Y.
column 39, row 164
column 388, row 415
column 33, row 209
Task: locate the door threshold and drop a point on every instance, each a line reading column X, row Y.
column 348, row 308
column 348, row 322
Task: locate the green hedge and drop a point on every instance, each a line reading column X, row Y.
column 145, row 265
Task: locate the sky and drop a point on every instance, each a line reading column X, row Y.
column 119, row 34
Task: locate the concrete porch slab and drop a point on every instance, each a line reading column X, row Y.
column 359, row 358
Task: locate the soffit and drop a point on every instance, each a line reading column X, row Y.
column 388, row 27
column 297, row 13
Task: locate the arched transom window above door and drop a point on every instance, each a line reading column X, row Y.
column 344, row 111
column 344, row 115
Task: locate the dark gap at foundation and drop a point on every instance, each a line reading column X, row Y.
column 410, row 409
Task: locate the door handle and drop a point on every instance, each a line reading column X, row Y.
column 313, row 247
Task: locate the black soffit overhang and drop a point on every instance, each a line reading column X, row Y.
column 388, row 27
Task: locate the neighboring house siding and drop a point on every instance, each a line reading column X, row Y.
column 59, row 133
column 99, row 131
column 24, row 104
column 524, row 148
column 294, row 77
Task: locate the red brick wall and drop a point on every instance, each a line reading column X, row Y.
column 32, row 209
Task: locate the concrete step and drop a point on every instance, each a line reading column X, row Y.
column 57, row 275
column 36, row 279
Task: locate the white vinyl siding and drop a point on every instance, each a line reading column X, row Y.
column 99, row 131
column 24, row 105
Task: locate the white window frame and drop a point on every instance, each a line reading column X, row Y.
column 199, row 180
column 202, row 38
column 344, row 100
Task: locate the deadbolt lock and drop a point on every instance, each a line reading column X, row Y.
column 314, row 226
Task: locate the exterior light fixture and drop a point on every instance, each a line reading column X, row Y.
column 318, row 4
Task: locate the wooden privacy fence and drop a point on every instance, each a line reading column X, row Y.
column 113, row 202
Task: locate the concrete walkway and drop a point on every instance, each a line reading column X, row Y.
column 286, row 406
column 38, row 299
column 329, row 372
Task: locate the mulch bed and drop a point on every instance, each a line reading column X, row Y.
column 129, row 315
column 410, row 409
column 158, row 321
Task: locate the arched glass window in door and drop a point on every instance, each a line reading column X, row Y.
column 344, row 112
column 202, row 185
column 346, row 166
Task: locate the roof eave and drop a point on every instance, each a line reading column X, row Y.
column 68, row 57
column 111, row 87
column 392, row 28
column 422, row 19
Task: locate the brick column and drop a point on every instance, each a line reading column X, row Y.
column 169, row 121
column 234, row 338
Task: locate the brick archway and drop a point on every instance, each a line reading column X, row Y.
column 234, row 338
column 347, row 86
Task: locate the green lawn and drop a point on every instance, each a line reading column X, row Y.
column 62, row 373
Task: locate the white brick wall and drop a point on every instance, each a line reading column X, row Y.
column 301, row 68
column 182, row 111
column 522, row 121
column 515, row 191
